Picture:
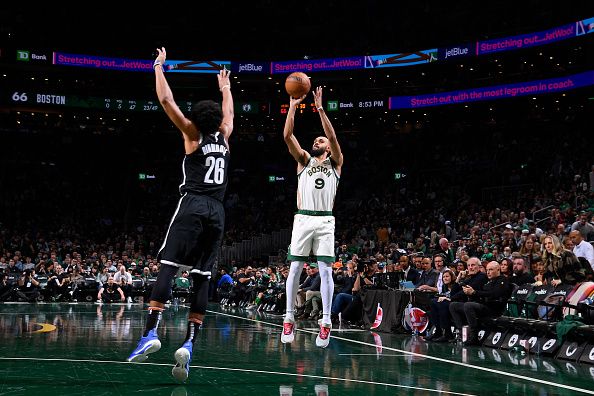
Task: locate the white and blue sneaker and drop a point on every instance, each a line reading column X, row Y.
column 146, row 345
column 183, row 357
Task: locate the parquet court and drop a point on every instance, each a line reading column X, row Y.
column 76, row 349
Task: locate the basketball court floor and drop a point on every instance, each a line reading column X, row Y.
column 80, row 349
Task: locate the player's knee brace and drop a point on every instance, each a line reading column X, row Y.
column 162, row 288
column 199, row 295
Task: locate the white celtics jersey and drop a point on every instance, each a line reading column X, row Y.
column 316, row 188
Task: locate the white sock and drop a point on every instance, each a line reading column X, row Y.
column 326, row 289
column 292, row 286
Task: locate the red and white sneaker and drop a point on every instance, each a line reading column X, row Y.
column 288, row 334
column 323, row 338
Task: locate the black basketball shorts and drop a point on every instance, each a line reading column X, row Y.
column 194, row 235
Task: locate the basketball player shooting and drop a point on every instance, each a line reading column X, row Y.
column 196, row 229
column 318, row 174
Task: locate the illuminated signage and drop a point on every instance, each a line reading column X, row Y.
column 402, row 59
column 31, row 56
column 101, row 62
column 526, row 40
column 301, row 108
column 458, row 51
column 181, row 66
column 585, row 26
column 494, row 92
column 250, row 67
column 33, row 98
column 340, row 105
column 315, row 65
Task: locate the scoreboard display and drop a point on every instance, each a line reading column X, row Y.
column 42, row 99
column 37, row 98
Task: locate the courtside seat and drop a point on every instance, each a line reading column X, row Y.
column 584, row 333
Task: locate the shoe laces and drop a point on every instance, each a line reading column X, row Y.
column 288, row 328
column 324, row 332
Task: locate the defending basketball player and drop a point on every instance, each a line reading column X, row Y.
column 318, row 174
column 196, row 229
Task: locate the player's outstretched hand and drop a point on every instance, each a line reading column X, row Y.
column 161, row 55
column 293, row 102
column 223, row 78
column 318, row 97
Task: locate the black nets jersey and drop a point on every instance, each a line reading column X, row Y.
column 205, row 170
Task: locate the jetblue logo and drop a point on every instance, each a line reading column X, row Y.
column 456, row 51
column 250, row 67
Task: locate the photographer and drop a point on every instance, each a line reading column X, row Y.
column 366, row 270
column 6, row 289
column 28, row 286
column 110, row 292
column 347, row 280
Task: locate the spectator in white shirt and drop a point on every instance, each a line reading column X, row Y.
column 124, row 279
column 582, row 248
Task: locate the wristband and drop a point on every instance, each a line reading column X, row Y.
column 321, row 108
column 225, row 86
column 157, row 63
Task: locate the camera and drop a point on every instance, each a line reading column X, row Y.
column 362, row 265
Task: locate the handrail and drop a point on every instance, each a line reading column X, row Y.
column 541, row 220
column 540, row 210
column 499, row 225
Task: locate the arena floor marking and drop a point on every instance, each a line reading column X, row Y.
column 372, row 354
column 490, row 370
column 240, row 370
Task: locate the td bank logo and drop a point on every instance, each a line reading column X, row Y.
column 332, row 105
column 23, row 56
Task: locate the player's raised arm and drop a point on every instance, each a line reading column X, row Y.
column 328, row 130
column 227, row 106
column 166, row 99
column 300, row 155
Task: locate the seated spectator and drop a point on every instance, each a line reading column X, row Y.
column 312, row 294
column 410, row 274
column 428, row 278
column 440, row 312
column 506, row 267
column 582, row 248
column 111, row 292
column 561, row 266
column 102, row 276
column 521, row 275
column 59, row 283
column 124, row 279
column 182, row 282
column 584, row 227
column 488, row 301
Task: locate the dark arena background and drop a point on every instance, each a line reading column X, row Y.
column 465, row 122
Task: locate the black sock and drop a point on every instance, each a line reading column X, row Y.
column 152, row 321
column 192, row 333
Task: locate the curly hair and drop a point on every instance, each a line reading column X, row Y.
column 207, row 116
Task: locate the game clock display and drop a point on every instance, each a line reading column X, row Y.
column 301, row 108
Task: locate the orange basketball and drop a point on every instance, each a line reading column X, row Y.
column 297, row 84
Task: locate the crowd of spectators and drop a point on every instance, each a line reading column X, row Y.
column 478, row 190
